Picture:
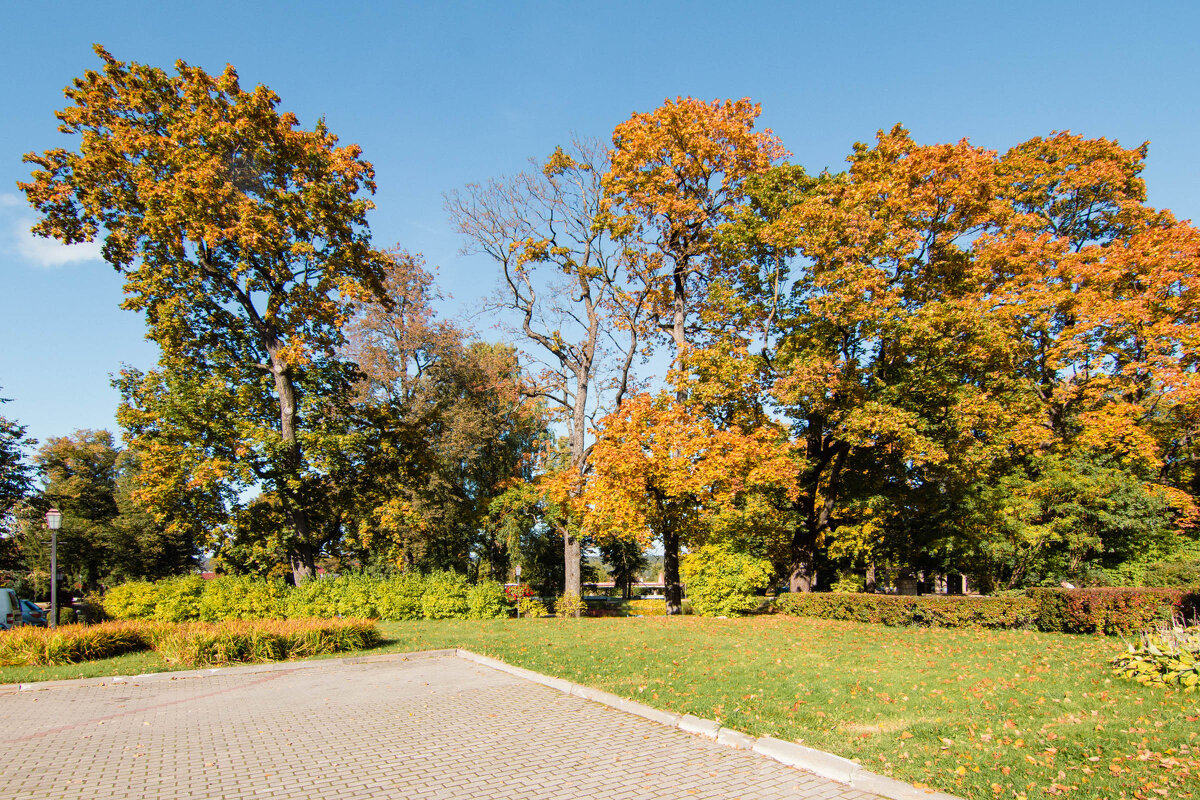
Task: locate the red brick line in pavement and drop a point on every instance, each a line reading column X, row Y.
column 97, row 720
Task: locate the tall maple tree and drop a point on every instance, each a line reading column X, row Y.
column 239, row 235
column 678, row 174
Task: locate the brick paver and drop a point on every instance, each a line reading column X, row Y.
column 426, row 728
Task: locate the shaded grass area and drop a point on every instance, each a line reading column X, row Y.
column 982, row 714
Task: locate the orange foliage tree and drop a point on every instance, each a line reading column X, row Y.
column 240, row 236
column 661, row 473
column 678, row 174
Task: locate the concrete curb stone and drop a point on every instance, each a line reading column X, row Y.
column 699, row 726
column 731, row 738
column 818, row 762
column 827, row 765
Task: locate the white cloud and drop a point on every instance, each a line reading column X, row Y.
column 16, row 238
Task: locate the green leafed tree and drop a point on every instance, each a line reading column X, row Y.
column 240, row 236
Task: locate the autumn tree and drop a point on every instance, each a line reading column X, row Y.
column 663, row 472
column 678, row 174
column 562, row 278
column 240, row 235
column 881, row 357
column 441, row 430
column 954, row 317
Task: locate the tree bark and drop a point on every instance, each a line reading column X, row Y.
column 302, row 557
column 572, row 556
column 802, row 571
column 672, row 589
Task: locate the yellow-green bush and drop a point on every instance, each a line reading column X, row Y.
column 179, row 599
column 242, row 597
column 399, row 597
column 569, row 604
column 343, row 596
column 445, row 596
column 486, row 600
column 724, row 582
column 132, row 600
column 530, row 608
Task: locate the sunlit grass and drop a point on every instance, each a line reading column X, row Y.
column 982, row 714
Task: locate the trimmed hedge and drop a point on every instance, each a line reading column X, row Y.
column 1115, row 612
column 1107, row 611
column 650, row 608
column 439, row 595
column 929, row 612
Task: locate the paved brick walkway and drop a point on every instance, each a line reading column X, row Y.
column 425, row 728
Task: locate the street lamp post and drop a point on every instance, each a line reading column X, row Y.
column 54, row 522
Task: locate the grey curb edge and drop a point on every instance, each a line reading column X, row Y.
column 818, row 762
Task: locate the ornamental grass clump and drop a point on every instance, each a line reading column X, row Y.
column 1168, row 656
column 203, row 644
column 71, row 644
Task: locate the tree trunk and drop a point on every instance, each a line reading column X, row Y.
column 302, row 557
column 871, row 576
column 303, row 565
column 672, row 589
column 802, row 571
column 572, row 556
column 572, row 547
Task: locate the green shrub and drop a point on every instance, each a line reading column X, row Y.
column 723, row 582
column 445, row 596
column 849, row 583
column 179, row 599
column 569, row 604
column 646, row 607
column 132, row 600
column 70, row 644
column 1178, row 573
column 1169, row 656
column 530, row 608
column 91, row 609
column 399, row 597
column 935, row 612
column 242, row 597
column 486, row 600
column 1110, row 611
column 67, row 616
column 313, row 599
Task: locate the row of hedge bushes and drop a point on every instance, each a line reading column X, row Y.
column 194, row 644
column 438, row 595
column 1108, row 611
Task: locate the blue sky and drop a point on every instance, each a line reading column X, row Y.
column 439, row 94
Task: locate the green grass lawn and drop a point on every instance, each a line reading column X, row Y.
column 982, row 714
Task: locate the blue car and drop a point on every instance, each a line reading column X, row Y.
column 32, row 613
